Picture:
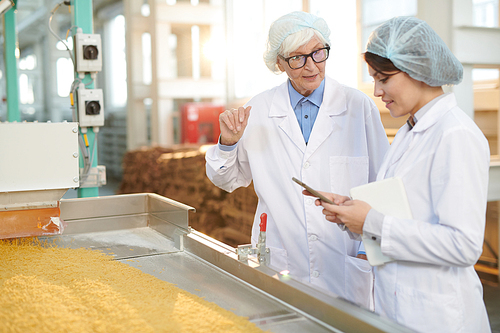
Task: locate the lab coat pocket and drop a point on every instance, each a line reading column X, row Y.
column 347, row 172
column 427, row 312
column 359, row 282
column 279, row 259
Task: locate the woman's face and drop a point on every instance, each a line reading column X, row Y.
column 306, row 79
column 401, row 94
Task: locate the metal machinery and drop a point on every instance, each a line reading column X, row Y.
column 157, row 229
column 39, row 163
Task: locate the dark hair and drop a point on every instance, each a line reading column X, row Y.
column 380, row 64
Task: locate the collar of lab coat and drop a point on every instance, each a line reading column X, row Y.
column 443, row 105
column 334, row 103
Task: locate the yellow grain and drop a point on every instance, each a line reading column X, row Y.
column 44, row 288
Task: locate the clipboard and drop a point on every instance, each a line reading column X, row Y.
column 387, row 196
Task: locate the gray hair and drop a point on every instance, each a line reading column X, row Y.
column 290, row 32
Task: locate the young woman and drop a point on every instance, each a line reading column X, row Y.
column 443, row 160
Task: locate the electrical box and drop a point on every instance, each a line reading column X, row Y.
column 200, row 122
column 90, row 107
column 38, row 156
column 88, row 53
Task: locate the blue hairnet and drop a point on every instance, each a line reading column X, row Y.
column 289, row 24
column 416, row 49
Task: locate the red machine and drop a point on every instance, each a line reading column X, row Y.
column 200, row 122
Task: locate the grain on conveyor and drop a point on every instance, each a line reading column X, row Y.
column 44, row 288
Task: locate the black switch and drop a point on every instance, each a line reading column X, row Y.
column 90, row 52
column 92, row 108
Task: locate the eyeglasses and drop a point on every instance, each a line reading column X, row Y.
column 300, row 60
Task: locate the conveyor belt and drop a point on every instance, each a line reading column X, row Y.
column 151, row 233
column 153, row 253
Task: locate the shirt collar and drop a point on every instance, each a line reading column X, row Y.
column 412, row 120
column 316, row 96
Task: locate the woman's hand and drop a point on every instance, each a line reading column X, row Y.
column 337, row 199
column 352, row 213
column 232, row 125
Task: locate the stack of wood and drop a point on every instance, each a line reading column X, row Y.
column 178, row 173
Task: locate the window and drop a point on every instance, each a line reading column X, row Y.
column 147, row 75
column 485, row 13
column 65, row 76
column 116, row 63
column 62, row 46
column 26, row 65
column 195, row 47
column 485, row 74
column 26, row 94
column 172, row 60
column 28, row 62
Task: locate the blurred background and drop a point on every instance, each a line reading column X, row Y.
column 169, row 67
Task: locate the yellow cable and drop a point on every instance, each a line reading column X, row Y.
column 86, row 140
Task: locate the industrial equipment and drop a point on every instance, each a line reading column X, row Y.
column 5, row 5
column 263, row 253
column 39, row 164
column 88, row 55
column 154, row 231
column 90, row 107
column 40, row 161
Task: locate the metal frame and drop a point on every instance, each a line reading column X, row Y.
column 170, row 219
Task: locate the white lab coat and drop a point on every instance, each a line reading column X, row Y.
column 443, row 162
column 345, row 149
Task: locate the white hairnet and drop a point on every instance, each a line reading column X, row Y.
column 416, row 49
column 289, row 24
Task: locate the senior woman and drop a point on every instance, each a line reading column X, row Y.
column 313, row 128
column 442, row 158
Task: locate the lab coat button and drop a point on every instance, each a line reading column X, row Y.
column 374, row 238
column 309, row 201
column 315, row 274
column 306, row 165
column 313, row 237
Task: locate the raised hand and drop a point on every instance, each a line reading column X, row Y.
column 232, row 124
